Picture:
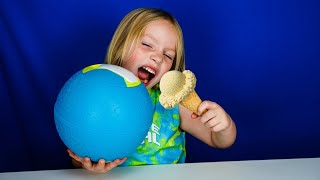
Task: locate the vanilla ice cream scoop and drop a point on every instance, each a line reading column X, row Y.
column 178, row 87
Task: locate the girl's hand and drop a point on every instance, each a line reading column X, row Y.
column 100, row 167
column 213, row 117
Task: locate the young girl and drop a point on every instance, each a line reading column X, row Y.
column 149, row 43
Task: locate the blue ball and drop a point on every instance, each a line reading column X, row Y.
column 103, row 112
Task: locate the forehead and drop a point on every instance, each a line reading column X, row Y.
column 160, row 25
column 162, row 31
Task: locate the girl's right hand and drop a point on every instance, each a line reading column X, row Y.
column 100, row 167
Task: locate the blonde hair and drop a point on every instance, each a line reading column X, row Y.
column 131, row 29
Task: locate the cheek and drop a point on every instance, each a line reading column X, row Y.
column 168, row 65
column 126, row 64
column 129, row 62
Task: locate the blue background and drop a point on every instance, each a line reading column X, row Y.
column 258, row 59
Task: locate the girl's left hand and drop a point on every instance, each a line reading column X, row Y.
column 213, row 116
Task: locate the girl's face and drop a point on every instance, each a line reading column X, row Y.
column 154, row 53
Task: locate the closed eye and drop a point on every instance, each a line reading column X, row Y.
column 145, row 44
column 168, row 56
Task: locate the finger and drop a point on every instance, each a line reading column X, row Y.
column 194, row 116
column 222, row 126
column 206, row 105
column 74, row 156
column 212, row 123
column 112, row 164
column 100, row 165
column 87, row 164
column 122, row 160
column 218, row 127
column 70, row 153
column 209, row 115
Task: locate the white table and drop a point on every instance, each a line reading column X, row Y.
column 285, row 169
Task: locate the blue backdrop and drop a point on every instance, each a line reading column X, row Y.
column 258, row 59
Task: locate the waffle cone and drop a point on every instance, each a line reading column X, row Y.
column 191, row 102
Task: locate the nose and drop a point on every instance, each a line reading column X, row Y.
column 157, row 57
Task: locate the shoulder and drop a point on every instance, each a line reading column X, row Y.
column 154, row 92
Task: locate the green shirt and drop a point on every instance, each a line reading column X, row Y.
column 165, row 142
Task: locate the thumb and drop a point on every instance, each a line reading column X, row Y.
column 194, row 116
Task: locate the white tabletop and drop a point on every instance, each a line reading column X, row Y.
column 285, row 169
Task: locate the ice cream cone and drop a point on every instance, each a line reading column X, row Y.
column 178, row 87
column 192, row 102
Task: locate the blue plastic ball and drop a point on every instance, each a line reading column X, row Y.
column 103, row 112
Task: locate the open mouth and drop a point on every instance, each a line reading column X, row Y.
column 146, row 74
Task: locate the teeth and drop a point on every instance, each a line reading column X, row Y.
column 145, row 81
column 149, row 70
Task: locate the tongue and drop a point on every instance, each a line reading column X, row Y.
column 143, row 74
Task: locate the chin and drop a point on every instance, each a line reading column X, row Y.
column 149, row 85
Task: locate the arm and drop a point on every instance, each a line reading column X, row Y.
column 100, row 167
column 214, row 127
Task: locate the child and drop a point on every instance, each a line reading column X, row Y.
column 149, row 43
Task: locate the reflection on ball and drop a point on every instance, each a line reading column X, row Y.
column 103, row 112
